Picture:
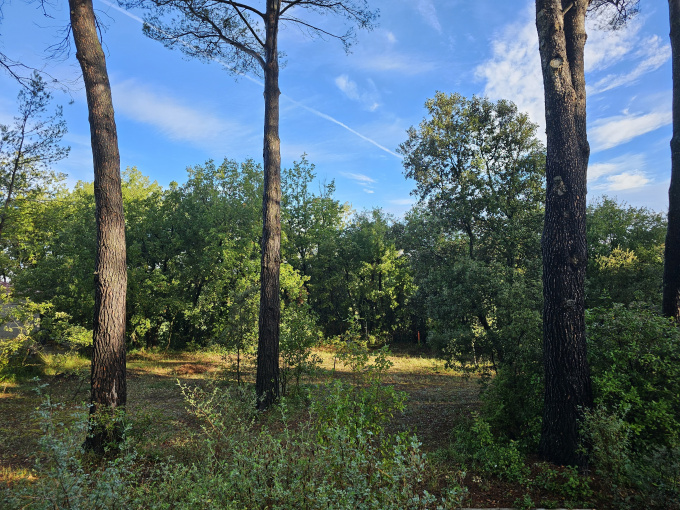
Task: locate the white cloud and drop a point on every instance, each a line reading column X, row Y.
column 621, row 173
column 514, row 69
column 608, row 47
column 652, row 55
column 613, row 131
column 362, row 179
column 626, row 180
column 429, row 13
column 172, row 118
column 347, row 86
column 391, row 38
column 368, row 98
column 626, row 163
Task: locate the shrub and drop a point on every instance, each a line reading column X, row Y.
column 475, row 444
column 61, row 480
column 512, row 401
column 646, row 479
column 299, row 334
column 336, row 457
column 634, row 356
column 56, row 327
column 633, row 434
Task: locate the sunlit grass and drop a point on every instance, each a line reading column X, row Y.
column 10, row 475
column 64, row 363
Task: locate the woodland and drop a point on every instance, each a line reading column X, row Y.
column 244, row 339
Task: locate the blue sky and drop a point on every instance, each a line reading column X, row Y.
column 349, row 113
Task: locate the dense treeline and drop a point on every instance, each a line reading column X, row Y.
column 193, row 257
column 461, row 271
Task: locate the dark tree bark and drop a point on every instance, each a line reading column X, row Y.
column 562, row 38
column 671, row 268
column 109, row 390
column 267, row 379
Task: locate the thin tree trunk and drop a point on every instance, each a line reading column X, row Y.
column 671, row 269
column 562, row 38
column 267, row 380
column 109, row 390
column 15, row 170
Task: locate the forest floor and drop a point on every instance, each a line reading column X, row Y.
column 439, row 400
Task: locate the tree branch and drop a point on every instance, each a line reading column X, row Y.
column 242, row 6
column 247, row 23
column 312, row 27
column 218, row 32
column 290, row 4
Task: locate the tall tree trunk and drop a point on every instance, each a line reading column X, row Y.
column 671, row 268
column 562, row 38
column 267, row 380
column 109, row 390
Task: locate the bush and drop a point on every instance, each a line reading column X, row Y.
column 512, row 401
column 337, row 457
column 56, row 328
column 634, row 356
column 633, row 434
column 20, row 358
column 475, row 444
column 61, row 480
column 649, row 479
column 20, row 355
column 299, row 334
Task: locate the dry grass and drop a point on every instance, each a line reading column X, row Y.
column 161, row 424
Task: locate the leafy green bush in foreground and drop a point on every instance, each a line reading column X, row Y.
column 337, row 457
column 335, row 453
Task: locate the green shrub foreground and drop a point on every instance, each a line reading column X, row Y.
column 329, row 449
column 632, row 436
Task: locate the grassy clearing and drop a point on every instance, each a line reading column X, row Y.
column 440, row 399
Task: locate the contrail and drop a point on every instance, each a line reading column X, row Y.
column 258, row 82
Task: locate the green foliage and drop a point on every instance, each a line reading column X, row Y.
column 19, row 359
column 563, row 480
column 62, row 480
column 194, row 259
column 633, row 435
column 635, row 361
column 637, row 479
column 475, row 444
column 322, row 462
column 512, row 400
column 28, row 148
column 474, row 238
column 358, row 269
column 56, row 327
column 625, row 254
column 190, row 248
column 20, row 354
column 299, row 334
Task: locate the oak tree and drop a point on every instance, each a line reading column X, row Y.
column 474, row 236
